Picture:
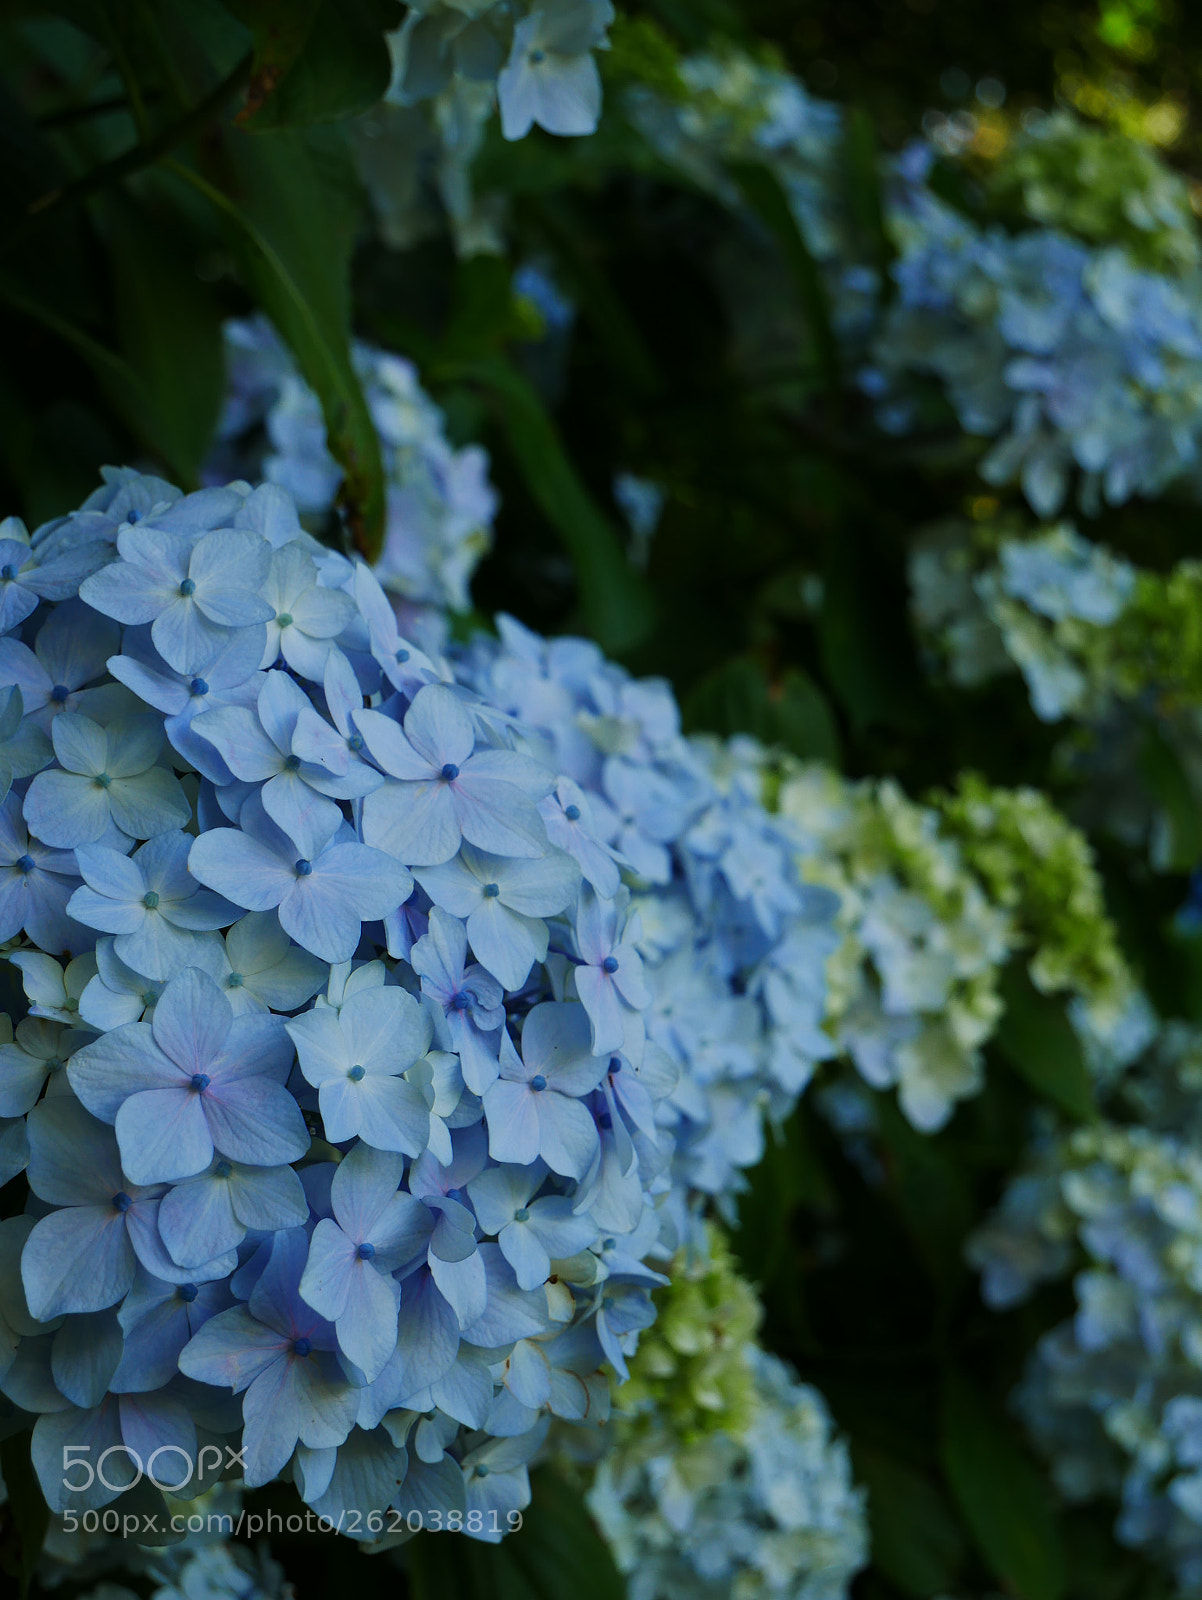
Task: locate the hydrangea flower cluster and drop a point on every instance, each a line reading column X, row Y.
column 440, row 503
column 455, row 62
column 722, row 1476
column 349, row 1121
column 935, row 899
column 1099, row 185
column 1079, row 365
column 539, row 57
column 1111, row 650
column 1113, row 1396
column 1087, row 630
column 731, row 941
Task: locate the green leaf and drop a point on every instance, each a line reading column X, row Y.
column 1006, row 1501
column 861, row 162
column 1182, row 808
column 867, row 655
column 789, row 1178
column 557, row 1553
column 763, row 192
column 932, row 1194
column 28, row 1516
column 916, row 1539
column 738, row 697
column 316, row 60
column 124, row 388
column 169, row 326
column 1036, row 1038
column 614, row 600
column 291, row 204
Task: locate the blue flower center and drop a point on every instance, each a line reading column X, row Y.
column 284, row 618
column 537, row 57
column 523, row 1215
column 301, row 1347
column 605, row 1120
column 235, row 980
column 200, row 1081
column 25, row 863
column 187, row 587
column 608, row 1244
column 60, row 693
column 222, row 1169
column 121, row 1201
column 188, row 1292
column 303, row 868
column 402, row 656
column 610, row 964
column 150, row 900
column 357, row 1073
column 482, row 1471
column 198, row 687
column 133, row 516
column 355, row 742
column 538, row 1082
column 459, row 1002
column 450, row 772
column 8, row 572
column 149, row 998
column 365, row 1252
column 291, row 763
column 491, row 891
column 103, row 781
column 572, row 813
column 615, row 1064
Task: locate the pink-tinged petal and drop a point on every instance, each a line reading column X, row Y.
column 232, row 1350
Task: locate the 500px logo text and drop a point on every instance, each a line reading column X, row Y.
column 212, row 1459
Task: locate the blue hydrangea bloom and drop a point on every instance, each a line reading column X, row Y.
column 359, row 1169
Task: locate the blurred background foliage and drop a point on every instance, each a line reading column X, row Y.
column 166, row 166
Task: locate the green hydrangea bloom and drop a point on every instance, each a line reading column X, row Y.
column 936, row 899
column 690, row 1370
column 1101, row 185
column 1042, row 870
